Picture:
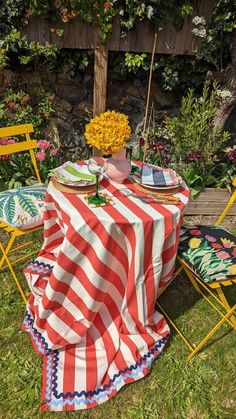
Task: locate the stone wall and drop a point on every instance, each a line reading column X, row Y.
column 231, row 126
column 73, row 105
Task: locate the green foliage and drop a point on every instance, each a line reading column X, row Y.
column 215, row 48
column 196, row 141
column 3, row 58
column 17, row 108
column 72, row 62
column 190, row 142
column 16, row 171
column 158, row 13
column 184, row 72
column 134, row 61
column 43, row 54
column 170, row 77
column 175, row 72
column 14, row 40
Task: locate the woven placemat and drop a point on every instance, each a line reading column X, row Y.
column 73, row 189
column 158, row 194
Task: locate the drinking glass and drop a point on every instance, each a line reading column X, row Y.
column 97, row 166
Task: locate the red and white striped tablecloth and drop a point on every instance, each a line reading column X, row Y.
column 93, row 288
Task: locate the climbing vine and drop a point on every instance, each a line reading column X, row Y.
column 17, row 49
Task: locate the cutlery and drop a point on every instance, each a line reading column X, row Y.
column 160, row 198
column 154, row 200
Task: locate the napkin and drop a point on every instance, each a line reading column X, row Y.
column 157, row 176
column 72, row 172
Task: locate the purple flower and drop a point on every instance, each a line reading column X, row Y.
column 141, row 142
column 211, row 238
column 194, row 155
column 232, row 156
column 159, row 145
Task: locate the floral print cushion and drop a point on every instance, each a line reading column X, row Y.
column 209, row 250
column 23, row 208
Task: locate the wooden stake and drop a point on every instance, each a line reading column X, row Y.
column 150, row 116
column 148, row 97
column 100, row 83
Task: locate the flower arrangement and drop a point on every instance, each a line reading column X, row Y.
column 108, row 132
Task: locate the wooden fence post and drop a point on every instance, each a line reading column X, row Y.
column 100, row 82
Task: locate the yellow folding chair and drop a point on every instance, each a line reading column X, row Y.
column 207, row 254
column 8, row 251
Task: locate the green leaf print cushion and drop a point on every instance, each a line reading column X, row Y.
column 23, row 208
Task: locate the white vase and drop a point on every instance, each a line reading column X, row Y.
column 118, row 166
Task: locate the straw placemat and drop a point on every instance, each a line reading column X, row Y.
column 158, row 194
column 73, row 189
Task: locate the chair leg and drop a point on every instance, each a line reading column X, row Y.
column 5, row 258
column 7, row 250
column 192, row 280
column 220, row 301
column 175, row 327
column 212, row 332
column 226, row 305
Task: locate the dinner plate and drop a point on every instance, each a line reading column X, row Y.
column 69, row 179
column 156, row 188
column 80, row 183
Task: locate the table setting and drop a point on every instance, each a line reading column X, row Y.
column 108, row 248
column 154, row 181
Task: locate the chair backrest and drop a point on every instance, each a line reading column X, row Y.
column 228, row 205
column 25, row 145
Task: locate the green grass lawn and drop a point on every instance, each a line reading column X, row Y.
column 176, row 388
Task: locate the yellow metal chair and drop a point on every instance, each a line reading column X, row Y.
column 8, row 251
column 207, row 254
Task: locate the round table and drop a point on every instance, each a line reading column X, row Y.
column 91, row 313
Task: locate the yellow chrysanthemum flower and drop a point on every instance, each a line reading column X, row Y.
column 108, row 132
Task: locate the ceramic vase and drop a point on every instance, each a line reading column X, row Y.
column 118, row 166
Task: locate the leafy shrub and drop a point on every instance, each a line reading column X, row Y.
column 16, row 169
column 17, row 108
column 191, row 143
column 197, row 142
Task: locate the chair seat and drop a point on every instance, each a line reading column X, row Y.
column 210, row 251
column 23, row 208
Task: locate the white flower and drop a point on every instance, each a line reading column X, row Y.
column 200, row 32
column 149, row 12
column 223, row 94
column 199, row 20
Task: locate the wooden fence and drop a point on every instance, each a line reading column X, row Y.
column 140, row 39
column 78, row 35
